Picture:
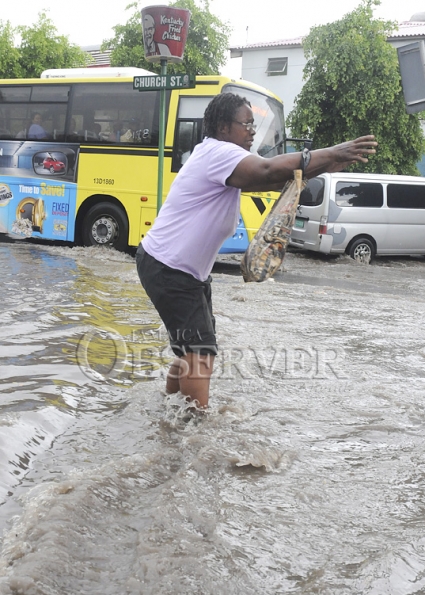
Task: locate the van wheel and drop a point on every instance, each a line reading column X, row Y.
column 105, row 224
column 362, row 250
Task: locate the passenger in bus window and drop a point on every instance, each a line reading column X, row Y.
column 97, row 129
column 117, row 132
column 146, row 136
column 175, row 258
column 132, row 133
column 103, row 134
column 36, row 130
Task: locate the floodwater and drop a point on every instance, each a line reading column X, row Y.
column 307, row 474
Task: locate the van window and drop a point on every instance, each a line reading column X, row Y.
column 312, row 195
column 402, row 196
column 362, row 194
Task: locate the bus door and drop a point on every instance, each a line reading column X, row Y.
column 188, row 130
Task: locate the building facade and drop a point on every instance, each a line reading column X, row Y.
column 279, row 65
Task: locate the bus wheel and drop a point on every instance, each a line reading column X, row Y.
column 362, row 250
column 105, row 224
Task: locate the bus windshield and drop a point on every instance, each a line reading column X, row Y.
column 268, row 116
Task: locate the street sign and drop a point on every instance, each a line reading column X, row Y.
column 163, row 81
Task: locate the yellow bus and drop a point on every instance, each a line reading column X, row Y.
column 79, row 154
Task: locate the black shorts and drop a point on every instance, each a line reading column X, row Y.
column 183, row 303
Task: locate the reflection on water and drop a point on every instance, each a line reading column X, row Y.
column 305, row 476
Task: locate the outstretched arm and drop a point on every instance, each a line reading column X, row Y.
column 256, row 173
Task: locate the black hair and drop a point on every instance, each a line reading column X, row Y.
column 222, row 110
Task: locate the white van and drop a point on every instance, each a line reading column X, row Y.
column 362, row 215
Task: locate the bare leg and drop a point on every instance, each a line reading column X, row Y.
column 191, row 376
column 172, row 384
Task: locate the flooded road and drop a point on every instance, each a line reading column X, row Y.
column 306, row 476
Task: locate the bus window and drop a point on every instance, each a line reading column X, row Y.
column 50, row 94
column 115, row 113
column 185, row 140
column 188, row 131
column 4, row 130
column 268, row 116
column 188, row 134
column 52, row 120
column 193, row 108
column 15, row 94
column 20, row 104
column 17, row 120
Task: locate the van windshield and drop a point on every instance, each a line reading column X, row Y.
column 312, row 195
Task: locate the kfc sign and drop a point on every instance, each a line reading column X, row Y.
column 164, row 33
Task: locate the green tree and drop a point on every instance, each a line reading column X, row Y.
column 41, row 48
column 206, row 43
column 353, row 87
column 9, row 55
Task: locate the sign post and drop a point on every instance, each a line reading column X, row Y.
column 161, row 144
column 164, row 38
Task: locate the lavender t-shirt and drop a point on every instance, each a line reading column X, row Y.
column 200, row 212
